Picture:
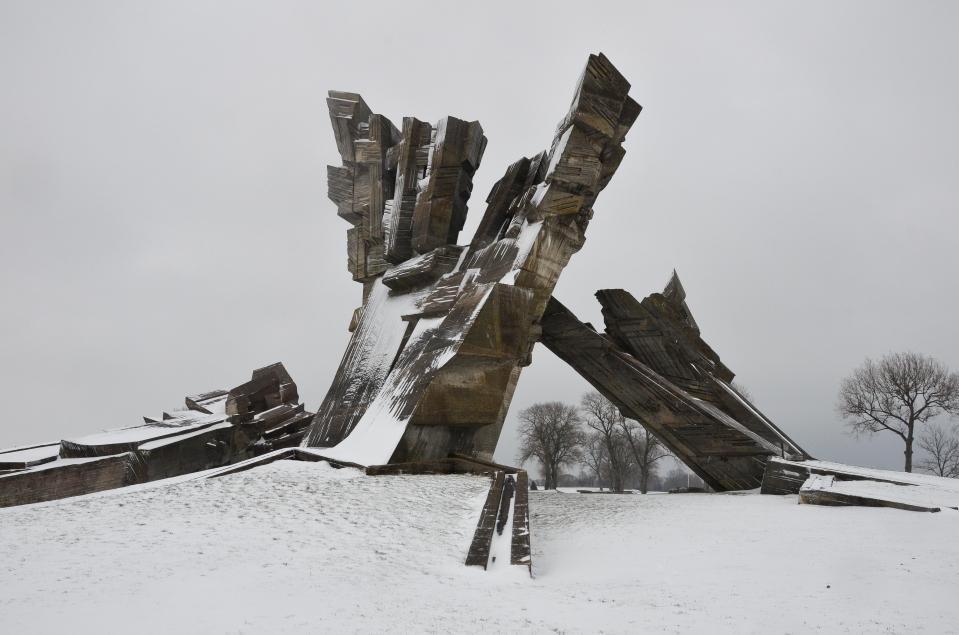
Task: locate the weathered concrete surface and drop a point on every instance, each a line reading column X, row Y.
column 438, row 345
column 652, row 363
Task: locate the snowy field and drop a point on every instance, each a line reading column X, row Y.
column 300, row 547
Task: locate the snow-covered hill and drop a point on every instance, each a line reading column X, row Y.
column 300, row 547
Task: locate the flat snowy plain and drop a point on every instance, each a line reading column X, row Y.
column 300, row 547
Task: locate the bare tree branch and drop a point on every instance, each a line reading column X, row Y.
column 604, row 418
column 941, row 446
column 646, row 450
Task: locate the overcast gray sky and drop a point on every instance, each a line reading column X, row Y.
column 165, row 225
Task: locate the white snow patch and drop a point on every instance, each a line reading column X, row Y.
column 378, row 432
column 296, row 547
column 941, row 492
column 190, row 420
column 30, row 454
column 502, row 543
column 876, row 474
column 287, row 547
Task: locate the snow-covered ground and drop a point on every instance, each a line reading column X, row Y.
column 300, row 547
column 922, row 490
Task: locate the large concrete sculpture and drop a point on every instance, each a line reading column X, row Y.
column 444, row 330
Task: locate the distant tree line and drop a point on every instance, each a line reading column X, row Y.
column 594, row 445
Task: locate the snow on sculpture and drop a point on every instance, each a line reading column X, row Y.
column 444, row 330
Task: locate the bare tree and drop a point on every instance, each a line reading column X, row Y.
column 603, row 417
column 646, row 449
column 551, row 433
column 595, row 457
column 896, row 393
column 942, row 451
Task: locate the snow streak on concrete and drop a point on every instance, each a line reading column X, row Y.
column 299, row 547
column 500, row 549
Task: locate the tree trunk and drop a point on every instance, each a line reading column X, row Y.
column 615, row 470
column 644, row 466
column 908, row 452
